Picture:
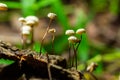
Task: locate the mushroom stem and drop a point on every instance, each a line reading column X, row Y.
column 23, row 42
column 75, row 56
column 24, row 38
column 79, row 43
column 45, row 35
column 69, row 55
column 53, row 38
column 32, row 36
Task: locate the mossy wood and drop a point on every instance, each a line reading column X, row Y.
column 33, row 65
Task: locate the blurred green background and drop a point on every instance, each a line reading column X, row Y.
column 100, row 18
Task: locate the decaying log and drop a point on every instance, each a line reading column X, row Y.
column 33, row 65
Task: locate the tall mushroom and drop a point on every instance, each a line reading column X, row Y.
column 74, row 40
column 69, row 33
column 52, row 16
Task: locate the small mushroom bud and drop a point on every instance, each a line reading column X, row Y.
column 92, row 67
column 73, row 39
column 69, row 32
column 52, row 30
column 3, row 7
column 52, row 15
column 80, row 31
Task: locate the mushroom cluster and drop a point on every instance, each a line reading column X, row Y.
column 27, row 28
column 74, row 42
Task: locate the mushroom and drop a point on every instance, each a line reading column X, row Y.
column 80, row 31
column 22, row 20
column 74, row 40
column 69, row 32
column 32, row 21
column 25, row 32
column 32, row 18
column 3, row 7
column 51, row 16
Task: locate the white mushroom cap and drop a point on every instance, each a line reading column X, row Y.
column 52, row 15
column 73, row 39
column 22, row 20
column 32, row 18
column 52, row 30
column 25, row 32
column 80, row 31
column 3, row 6
column 26, row 28
column 30, row 22
column 70, row 32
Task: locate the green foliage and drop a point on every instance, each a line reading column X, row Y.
column 58, row 8
column 14, row 5
column 82, row 20
column 89, row 76
column 60, row 44
column 114, row 6
column 36, row 47
column 108, row 57
column 27, row 7
column 83, row 49
column 103, row 5
column 7, row 62
column 98, row 5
